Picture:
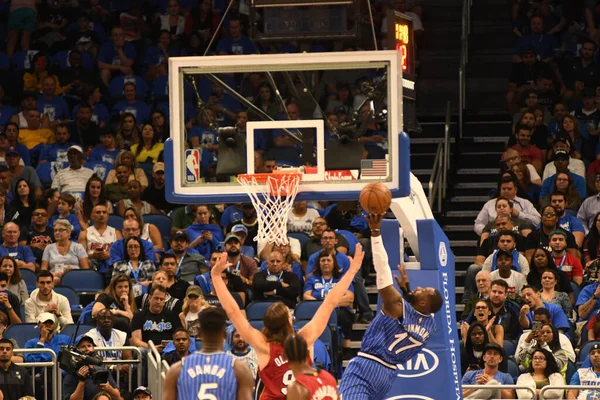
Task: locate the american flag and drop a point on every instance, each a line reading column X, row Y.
column 373, row 168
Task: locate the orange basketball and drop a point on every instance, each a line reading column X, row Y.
column 375, row 198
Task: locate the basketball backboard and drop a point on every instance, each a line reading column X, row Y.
column 211, row 142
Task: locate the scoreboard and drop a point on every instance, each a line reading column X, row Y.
column 400, row 37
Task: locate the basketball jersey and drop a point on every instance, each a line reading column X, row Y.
column 207, row 376
column 587, row 376
column 97, row 241
column 274, row 379
column 320, row 385
column 395, row 341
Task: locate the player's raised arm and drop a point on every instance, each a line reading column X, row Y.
column 170, row 384
column 390, row 297
column 252, row 336
column 311, row 331
column 244, row 379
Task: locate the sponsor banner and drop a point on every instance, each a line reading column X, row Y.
column 439, row 360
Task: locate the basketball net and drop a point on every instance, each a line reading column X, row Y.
column 273, row 197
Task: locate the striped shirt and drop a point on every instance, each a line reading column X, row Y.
column 72, row 180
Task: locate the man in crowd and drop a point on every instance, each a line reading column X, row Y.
column 489, row 375
column 588, row 302
column 276, row 284
column 58, row 150
column 105, row 335
column 564, row 261
column 329, row 243
column 181, row 341
column 45, row 300
column 529, row 153
column 484, row 285
column 533, row 301
column 314, row 245
column 562, row 143
column 48, row 338
column 155, row 192
column 541, row 236
column 586, row 376
column 131, row 228
column 241, row 265
column 15, row 381
column 175, row 287
column 9, row 302
column 85, row 131
column 98, row 238
column 505, row 271
column 119, row 190
column 567, row 221
column 75, row 177
column 141, row 393
column 242, row 350
column 37, row 235
column 189, row 262
column 11, row 247
column 590, row 206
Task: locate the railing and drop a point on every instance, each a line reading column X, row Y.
column 499, row 387
column 137, row 361
column 154, row 370
column 570, row 387
column 441, row 164
column 464, row 59
column 56, row 374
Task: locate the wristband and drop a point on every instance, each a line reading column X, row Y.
column 375, row 230
column 9, row 308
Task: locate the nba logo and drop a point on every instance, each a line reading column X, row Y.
column 192, row 166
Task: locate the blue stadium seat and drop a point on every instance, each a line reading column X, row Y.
column 585, row 350
column 86, row 314
column 86, row 281
column 576, row 290
column 570, row 371
column 100, row 168
column 513, row 369
column 258, row 324
column 302, row 237
column 72, row 296
column 306, row 309
column 509, row 348
column 116, row 221
column 163, row 223
column 147, row 167
column 256, row 310
column 350, row 238
column 70, row 330
column 22, row 333
column 46, row 172
column 29, row 277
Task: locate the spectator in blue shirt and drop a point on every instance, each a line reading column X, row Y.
column 533, row 301
column 131, row 227
column 11, row 131
column 11, row 247
column 139, row 109
column 116, row 57
column 237, row 43
column 58, row 150
column 489, row 375
column 107, row 152
column 100, row 114
column 157, row 57
column 52, row 106
column 562, row 184
column 545, row 45
column 203, row 135
column 48, row 339
column 204, row 236
column 329, row 242
column 588, row 301
column 567, row 221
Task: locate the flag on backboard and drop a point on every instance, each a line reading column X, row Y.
column 373, row 168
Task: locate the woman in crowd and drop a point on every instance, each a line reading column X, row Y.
column 134, row 189
column 542, row 261
column 23, row 202
column 542, row 372
column 266, row 102
column 547, row 337
column 482, row 315
column 95, row 193
column 326, row 275
column 564, row 184
column 149, row 231
column 549, row 293
column 300, row 218
column 504, row 206
column 471, row 352
column 160, row 125
column 193, row 303
column 64, row 255
column 16, row 284
column 135, row 266
column 128, row 132
column 126, row 157
column 570, row 126
column 149, row 148
column 522, row 173
column 7, row 212
column 119, row 299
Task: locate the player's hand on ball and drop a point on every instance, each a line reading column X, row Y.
column 356, row 261
column 374, row 220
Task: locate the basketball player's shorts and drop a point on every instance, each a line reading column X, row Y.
column 366, row 379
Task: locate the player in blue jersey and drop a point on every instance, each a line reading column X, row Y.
column 209, row 373
column 396, row 334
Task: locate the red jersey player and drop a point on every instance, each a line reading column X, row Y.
column 310, row 384
column 273, row 370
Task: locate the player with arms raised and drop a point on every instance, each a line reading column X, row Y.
column 395, row 335
column 310, row 383
column 273, row 371
column 209, row 373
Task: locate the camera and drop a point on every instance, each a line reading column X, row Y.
column 70, row 359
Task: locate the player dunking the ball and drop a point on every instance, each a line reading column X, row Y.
column 395, row 335
column 209, row 373
column 273, row 370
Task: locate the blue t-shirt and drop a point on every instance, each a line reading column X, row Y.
column 570, row 223
column 545, row 45
column 243, row 45
column 22, row 253
column 342, row 260
column 155, row 56
column 55, row 344
column 55, row 108
column 73, row 220
column 139, row 109
column 320, row 287
column 99, row 113
column 56, row 152
column 557, row 315
column 6, row 113
column 206, row 247
column 578, row 183
column 296, row 269
column 470, row 378
column 586, row 294
column 205, row 136
column 230, row 214
column 117, row 251
column 101, row 154
column 108, row 53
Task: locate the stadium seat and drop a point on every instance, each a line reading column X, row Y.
column 509, row 348
column 306, row 309
column 163, row 223
column 116, row 221
column 570, row 371
column 29, row 277
column 258, row 324
column 302, row 237
column 100, row 168
column 350, row 238
column 72, row 296
column 576, row 290
column 585, row 350
column 46, row 172
column 331, row 343
column 72, row 331
column 256, row 310
column 86, row 281
column 86, row 314
column 513, row 369
column 22, row 333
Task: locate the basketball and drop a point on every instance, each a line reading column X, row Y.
column 375, row 198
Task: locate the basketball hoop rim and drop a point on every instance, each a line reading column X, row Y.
column 293, row 178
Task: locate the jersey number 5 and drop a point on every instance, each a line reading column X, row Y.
column 399, row 338
column 288, row 379
column 203, row 392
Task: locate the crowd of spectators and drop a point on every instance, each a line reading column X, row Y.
column 532, row 294
column 84, row 113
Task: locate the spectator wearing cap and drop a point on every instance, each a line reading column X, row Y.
column 241, row 232
column 155, row 192
column 130, row 104
column 47, row 339
column 58, row 150
column 561, row 163
column 84, row 38
column 107, row 150
column 532, row 298
column 562, row 144
column 141, row 393
column 116, row 57
column 18, row 172
column 587, row 376
column 75, row 177
column 506, row 272
column 15, row 381
column 189, row 262
column 529, row 153
column 275, row 283
column 590, row 207
column 85, row 131
column 81, row 385
column 523, row 76
column 489, row 375
column 204, row 236
column 241, row 265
